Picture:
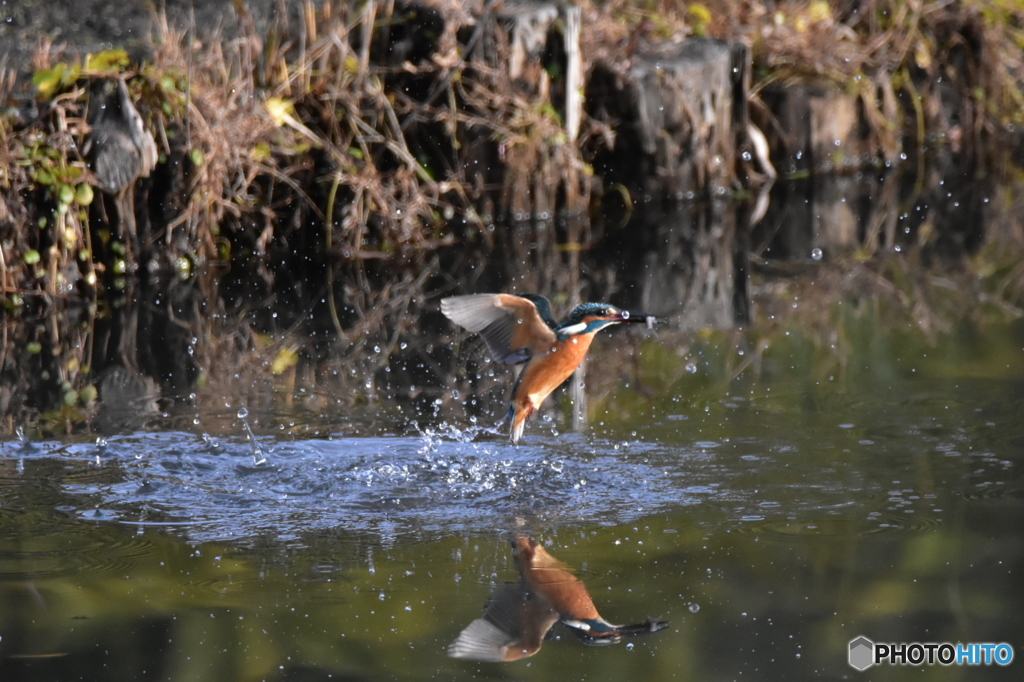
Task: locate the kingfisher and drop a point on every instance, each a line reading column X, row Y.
column 554, row 580
column 520, row 329
column 519, row 616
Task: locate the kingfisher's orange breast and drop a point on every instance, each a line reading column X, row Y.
column 553, row 580
column 547, row 372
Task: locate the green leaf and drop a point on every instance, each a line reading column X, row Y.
column 196, row 156
column 31, row 257
column 700, row 13
column 84, row 194
column 65, row 193
column 50, row 81
column 88, row 394
column 70, row 174
column 184, row 267
column 280, row 109
column 261, row 152
column 108, row 61
column 286, row 358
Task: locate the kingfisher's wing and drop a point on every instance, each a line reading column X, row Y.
column 511, row 326
column 514, row 625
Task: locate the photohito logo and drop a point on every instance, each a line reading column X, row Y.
column 864, row 653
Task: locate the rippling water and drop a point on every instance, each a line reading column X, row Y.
column 446, row 481
column 232, row 490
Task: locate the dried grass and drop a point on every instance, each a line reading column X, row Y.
column 312, row 122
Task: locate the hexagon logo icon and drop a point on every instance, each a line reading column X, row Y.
column 862, row 653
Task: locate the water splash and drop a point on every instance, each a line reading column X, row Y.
column 444, row 478
column 258, row 458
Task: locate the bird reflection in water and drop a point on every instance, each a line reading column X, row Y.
column 520, row 616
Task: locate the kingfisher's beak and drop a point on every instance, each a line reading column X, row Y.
column 636, row 316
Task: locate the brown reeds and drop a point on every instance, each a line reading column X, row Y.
column 380, row 132
column 942, row 75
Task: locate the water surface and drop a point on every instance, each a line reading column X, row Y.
column 770, row 518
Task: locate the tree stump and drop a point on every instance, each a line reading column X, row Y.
column 817, row 128
column 530, row 51
column 673, row 114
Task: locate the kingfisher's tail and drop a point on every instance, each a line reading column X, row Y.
column 517, row 423
column 518, row 416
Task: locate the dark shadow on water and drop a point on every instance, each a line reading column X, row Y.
column 943, row 215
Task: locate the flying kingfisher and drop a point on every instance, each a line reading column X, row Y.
column 519, row 616
column 522, row 329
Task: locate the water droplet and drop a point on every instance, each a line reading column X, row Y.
column 243, row 413
column 694, row 608
column 816, row 254
column 691, row 367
